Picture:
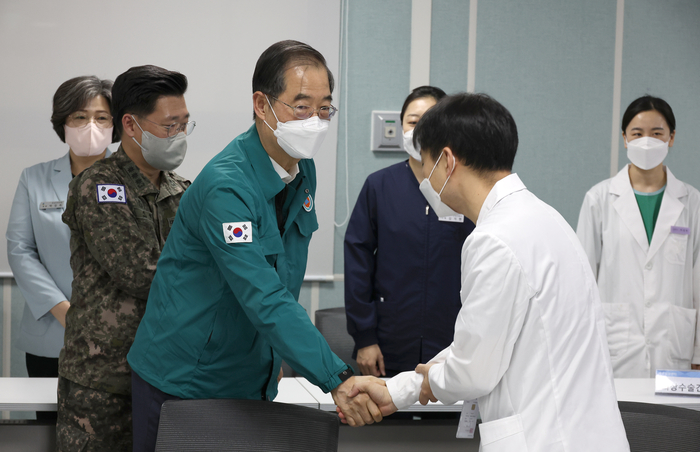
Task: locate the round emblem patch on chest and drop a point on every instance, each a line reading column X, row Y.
column 308, row 203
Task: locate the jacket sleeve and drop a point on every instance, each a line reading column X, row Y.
column 359, row 254
column 121, row 245
column 38, row 287
column 488, row 324
column 265, row 300
column 589, row 231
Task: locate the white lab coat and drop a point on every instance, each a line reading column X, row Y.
column 650, row 292
column 530, row 336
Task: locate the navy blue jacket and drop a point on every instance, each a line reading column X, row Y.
column 402, row 270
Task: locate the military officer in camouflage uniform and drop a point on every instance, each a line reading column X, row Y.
column 119, row 212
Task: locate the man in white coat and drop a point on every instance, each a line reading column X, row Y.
column 530, row 337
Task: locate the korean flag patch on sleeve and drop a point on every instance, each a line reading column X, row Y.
column 111, row 193
column 240, row 232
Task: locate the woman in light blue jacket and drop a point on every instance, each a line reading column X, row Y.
column 37, row 240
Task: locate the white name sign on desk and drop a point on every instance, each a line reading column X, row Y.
column 685, row 382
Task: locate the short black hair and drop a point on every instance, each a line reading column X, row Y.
column 421, row 92
column 137, row 90
column 73, row 95
column 649, row 103
column 480, row 131
column 268, row 76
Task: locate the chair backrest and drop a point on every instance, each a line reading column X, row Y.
column 656, row 428
column 244, row 425
column 332, row 324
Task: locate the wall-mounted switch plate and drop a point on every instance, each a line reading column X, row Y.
column 387, row 132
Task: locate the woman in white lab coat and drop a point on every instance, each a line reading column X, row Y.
column 640, row 231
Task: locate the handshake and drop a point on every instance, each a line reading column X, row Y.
column 366, row 400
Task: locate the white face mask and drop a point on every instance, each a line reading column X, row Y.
column 88, row 140
column 300, row 139
column 440, row 208
column 647, row 152
column 164, row 154
column 408, row 145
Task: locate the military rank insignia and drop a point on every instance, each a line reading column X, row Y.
column 111, row 193
column 240, row 232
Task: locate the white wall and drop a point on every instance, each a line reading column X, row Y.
column 215, row 43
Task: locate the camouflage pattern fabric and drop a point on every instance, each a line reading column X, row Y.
column 91, row 420
column 119, row 222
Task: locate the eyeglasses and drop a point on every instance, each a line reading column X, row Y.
column 305, row 112
column 174, row 129
column 80, row 119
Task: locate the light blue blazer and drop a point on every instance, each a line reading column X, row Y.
column 38, row 249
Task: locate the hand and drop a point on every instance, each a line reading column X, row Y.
column 377, row 391
column 425, row 392
column 357, row 411
column 371, row 361
column 281, row 374
column 59, row 311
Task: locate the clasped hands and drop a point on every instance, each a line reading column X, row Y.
column 365, row 400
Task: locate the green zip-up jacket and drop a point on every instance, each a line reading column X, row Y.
column 222, row 311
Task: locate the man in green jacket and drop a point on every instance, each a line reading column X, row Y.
column 223, row 312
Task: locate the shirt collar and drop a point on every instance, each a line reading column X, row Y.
column 620, row 183
column 269, row 180
column 139, row 183
column 504, row 187
column 286, row 177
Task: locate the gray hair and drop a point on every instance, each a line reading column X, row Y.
column 73, row 95
column 269, row 74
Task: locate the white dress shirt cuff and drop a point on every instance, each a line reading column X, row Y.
column 404, row 389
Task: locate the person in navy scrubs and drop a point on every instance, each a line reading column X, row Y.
column 402, row 262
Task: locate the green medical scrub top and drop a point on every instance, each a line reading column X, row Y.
column 649, row 206
column 222, row 311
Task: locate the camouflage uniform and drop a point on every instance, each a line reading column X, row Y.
column 92, row 421
column 119, row 222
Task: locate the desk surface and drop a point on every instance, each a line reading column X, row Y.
column 39, row 394
column 28, row 394
column 326, row 401
column 642, row 390
column 290, row 390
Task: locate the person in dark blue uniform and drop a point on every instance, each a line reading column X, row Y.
column 402, row 262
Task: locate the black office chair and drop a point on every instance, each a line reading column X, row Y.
column 244, row 425
column 332, row 324
column 653, row 428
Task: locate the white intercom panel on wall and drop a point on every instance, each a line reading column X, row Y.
column 387, row 133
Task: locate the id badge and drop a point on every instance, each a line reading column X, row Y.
column 50, row 205
column 467, row 420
